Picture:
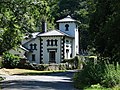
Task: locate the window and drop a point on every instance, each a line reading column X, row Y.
column 33, row 57
column 52, row 56
column 52, row 42
column 56, row 42
column 48, row 42
column 66, row 27
column 33, row 46
column 67, row 40
column 67, row 52
column 67, row 45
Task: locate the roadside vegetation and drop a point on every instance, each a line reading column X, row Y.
column 99, row 76
column 104, row 42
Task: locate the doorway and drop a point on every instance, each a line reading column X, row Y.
column 52, row 57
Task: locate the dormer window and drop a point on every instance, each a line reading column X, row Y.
column 66, row 27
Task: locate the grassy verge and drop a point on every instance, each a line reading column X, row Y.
column 99, row 87
column 27, row 72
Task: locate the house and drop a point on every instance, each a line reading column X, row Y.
column 19, row 51
column 53, row 46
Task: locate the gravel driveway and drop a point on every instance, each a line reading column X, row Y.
column 57, row 81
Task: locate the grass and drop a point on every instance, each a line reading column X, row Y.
column 26, row 72
column 115, row 88
column 99, row 87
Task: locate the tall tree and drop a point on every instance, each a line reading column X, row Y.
column 105, row 29
column 18, row 17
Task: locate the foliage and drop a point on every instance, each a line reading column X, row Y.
column 102, row 73
column 18, row 17
column 105, row 29
column 96, row 87
column 111, row 77
column 10, row 60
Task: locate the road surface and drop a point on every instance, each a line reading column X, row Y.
column 57, row 81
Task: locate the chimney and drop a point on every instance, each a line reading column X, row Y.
column 44, row 27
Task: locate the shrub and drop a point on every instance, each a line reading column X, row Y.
column 102, row 73
column 10, row 60
column 111, row 77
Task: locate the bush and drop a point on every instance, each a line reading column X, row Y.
column 102, row 73
column 111, row 77
column 10, row 60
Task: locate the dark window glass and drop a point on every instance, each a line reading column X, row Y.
column 48, row 42
column 35, row 46
column 67, row 27
column 56, row 42
column 67, row 51
column 67, row 40
column 31, row 46
column 52, row 42
column 33, row 57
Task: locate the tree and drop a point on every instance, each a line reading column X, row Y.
column 105, row 29
column 18, row 17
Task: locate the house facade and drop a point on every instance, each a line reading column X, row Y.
column 53, row 46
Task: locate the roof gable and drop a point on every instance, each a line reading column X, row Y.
column 66, row 19
column 54, row 33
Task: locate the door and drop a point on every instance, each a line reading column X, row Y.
column 52, row 57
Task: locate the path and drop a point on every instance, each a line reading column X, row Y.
column 57, row 81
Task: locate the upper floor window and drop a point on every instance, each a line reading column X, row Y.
column 56, row 42
column 66, row 27
column 52, row 42
column 67, row 41
column 33, row 46
column 48, row 42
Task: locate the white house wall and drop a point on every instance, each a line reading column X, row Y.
column 35, row 52
column 73, row 31
column 45, row 49
column 76, row 41
column 72, row 27
column 68, row 46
